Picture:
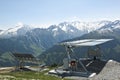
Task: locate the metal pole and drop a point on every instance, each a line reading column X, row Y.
column 83, row 66
column 81, row 63
column 68, row 53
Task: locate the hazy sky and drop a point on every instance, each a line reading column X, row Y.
column 55, row 11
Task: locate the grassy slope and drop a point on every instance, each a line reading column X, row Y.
column 29, row 76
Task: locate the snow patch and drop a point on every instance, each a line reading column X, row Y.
column 110, row 61
column 64, row 28
column 55, row 29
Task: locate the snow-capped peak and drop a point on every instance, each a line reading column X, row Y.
column 82, row 26
column 75, row 28
column 19, row 29
column 115, row 25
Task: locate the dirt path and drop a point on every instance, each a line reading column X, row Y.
column 6, row 69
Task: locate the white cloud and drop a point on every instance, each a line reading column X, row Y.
column 40, row 25
column 90, row 19
column 19, row 23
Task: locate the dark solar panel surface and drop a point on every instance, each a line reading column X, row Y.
column 18, row 55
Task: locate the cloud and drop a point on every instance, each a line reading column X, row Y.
column 41, row 25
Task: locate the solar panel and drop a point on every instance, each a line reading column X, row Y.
column 18, row 55
column 24, row 57
column 85, row 42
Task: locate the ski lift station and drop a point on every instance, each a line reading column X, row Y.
column 85, row 67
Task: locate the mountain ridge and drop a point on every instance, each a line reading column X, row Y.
column 67, row 27
column 38, row 40
column 111, row 49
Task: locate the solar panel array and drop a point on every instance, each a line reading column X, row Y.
column 18, row 55
column 85, row 42
column 24, row 57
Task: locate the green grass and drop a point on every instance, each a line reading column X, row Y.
column 30, row 75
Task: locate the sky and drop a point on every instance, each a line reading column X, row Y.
column 47, row 12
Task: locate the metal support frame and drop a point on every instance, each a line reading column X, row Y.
column 69, row 51
column 21, row 64
column 94, row 53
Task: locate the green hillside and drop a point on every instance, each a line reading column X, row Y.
column 110, row 50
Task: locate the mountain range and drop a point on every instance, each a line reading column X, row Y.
column 40, row 41
column 110, row 50
column 66, row 27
